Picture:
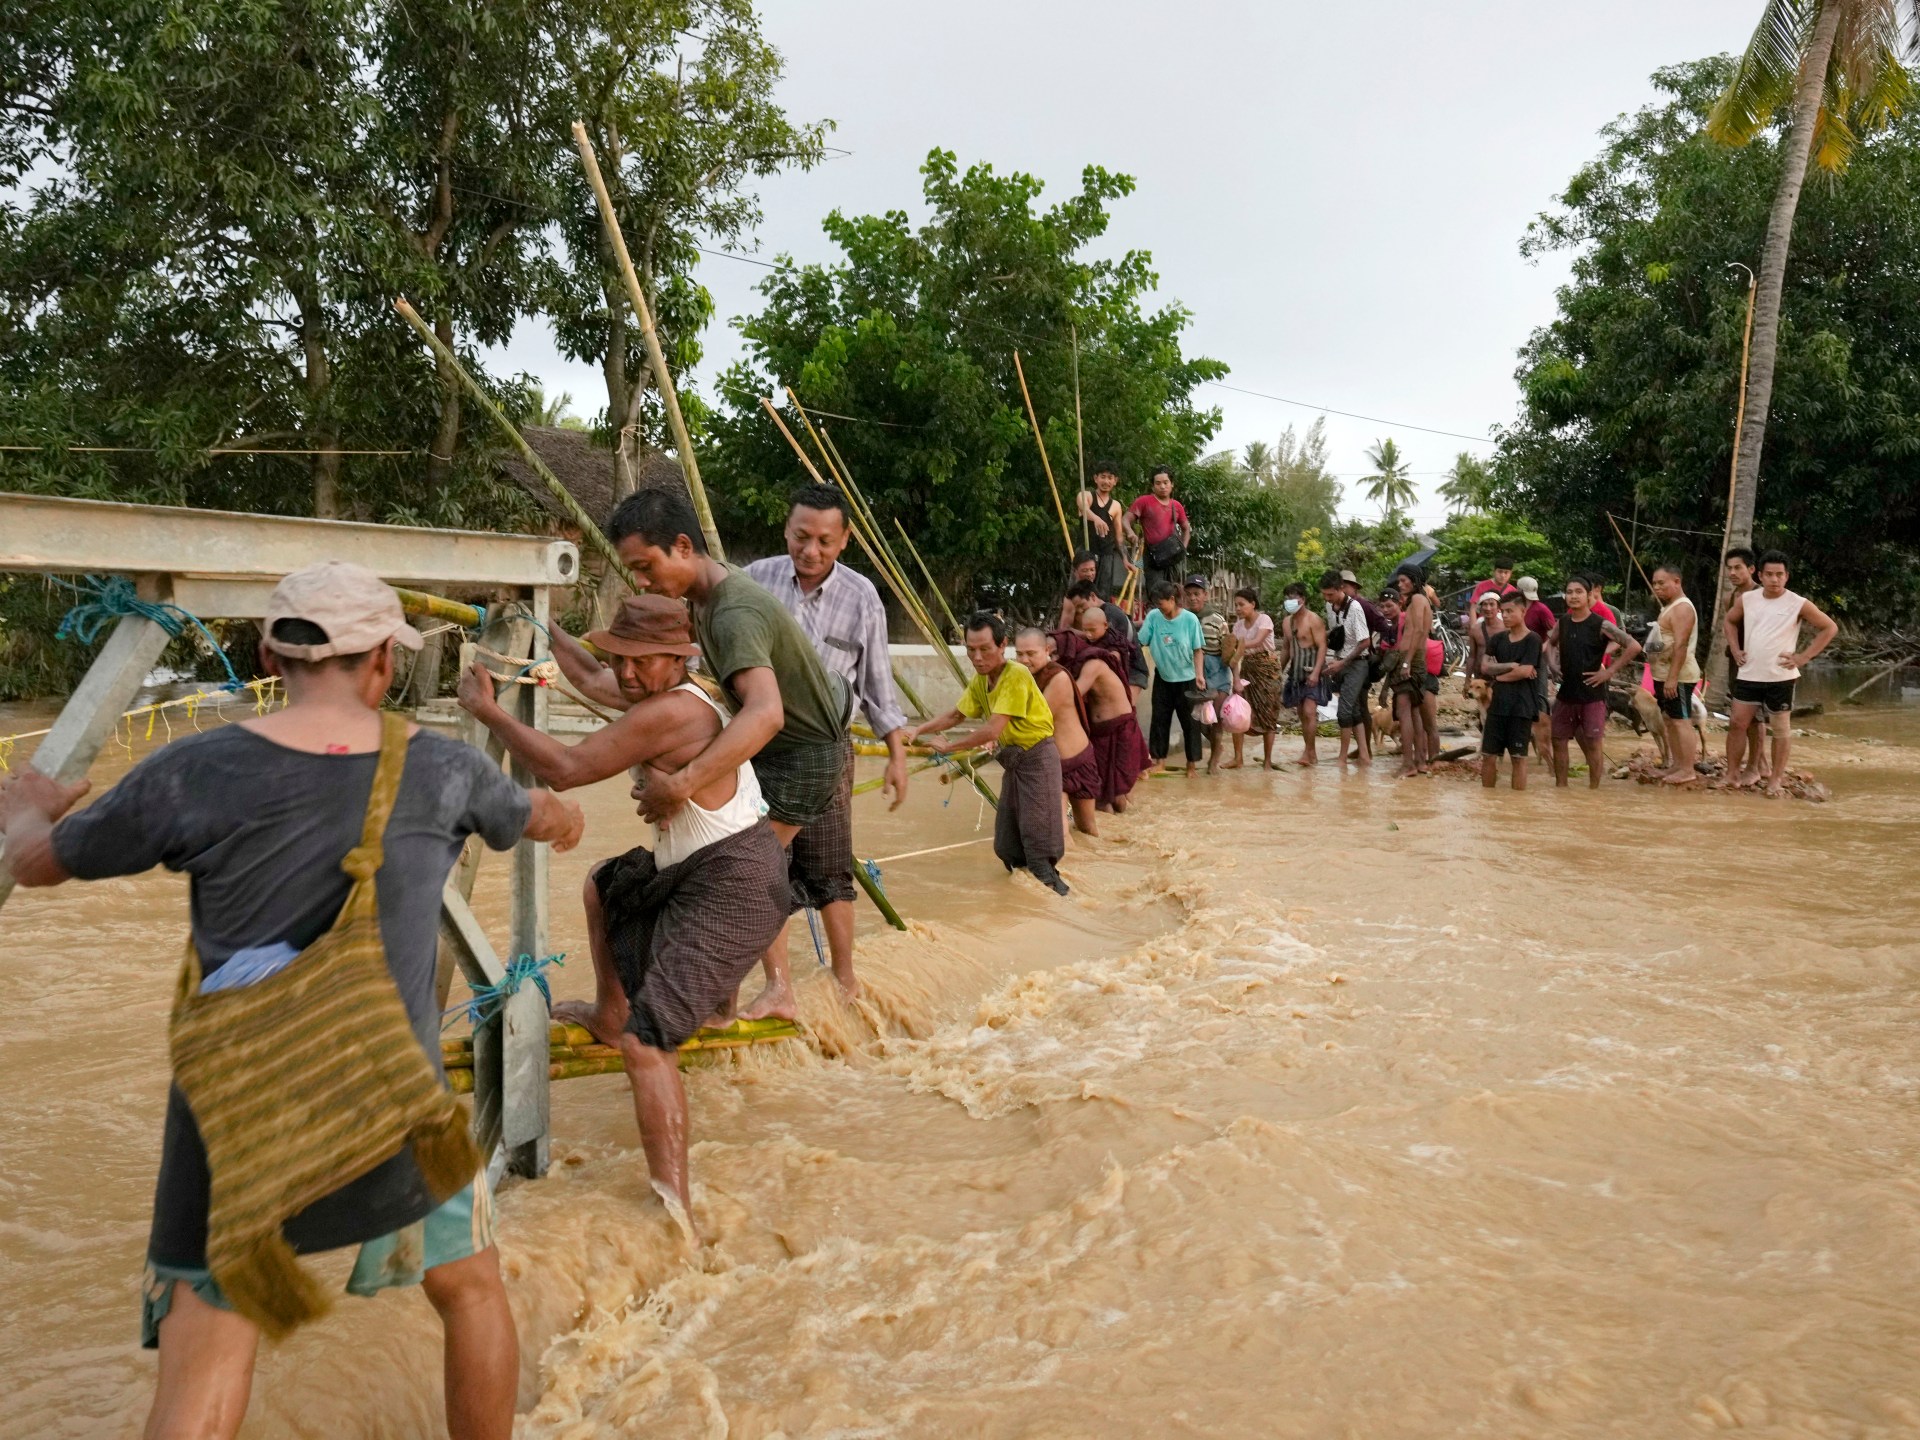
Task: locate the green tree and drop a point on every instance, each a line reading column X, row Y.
column 1469, row 487
column 1370, row 550
column 1469, row 544
column 678, row 99
column 912, row 333
column 1628, row 395
column 1390, row 486
column 1835, row 66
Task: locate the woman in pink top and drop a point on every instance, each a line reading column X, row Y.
column 1259, row 667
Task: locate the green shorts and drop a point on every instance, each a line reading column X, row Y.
column 459, row 1229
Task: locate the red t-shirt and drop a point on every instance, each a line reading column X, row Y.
column 1483, row 587
column 1157, row 521
column 1605, row 612
column 1540, row 618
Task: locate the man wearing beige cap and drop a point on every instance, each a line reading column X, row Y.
column 674, row 929
column 264, row 816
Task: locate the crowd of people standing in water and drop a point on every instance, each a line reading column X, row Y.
column 318, row 839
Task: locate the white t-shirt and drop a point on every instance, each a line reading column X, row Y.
column 1355, row 621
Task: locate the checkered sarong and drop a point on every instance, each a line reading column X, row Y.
column 800, row 779
column 820, row 860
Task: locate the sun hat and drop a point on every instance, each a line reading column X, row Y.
column 647, row 625
column 355, row 609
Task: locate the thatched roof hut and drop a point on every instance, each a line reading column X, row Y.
column 585, row 468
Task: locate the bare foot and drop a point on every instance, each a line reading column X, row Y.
column 1230, row 765
column 1748, row 779
column 850, row 990
column 606, row 1023
column 773, row 1003
column 1680, row 777
column 1776, row 790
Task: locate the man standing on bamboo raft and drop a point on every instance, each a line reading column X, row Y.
column 674, row 929
column 789, row 713
column 308, row 1111
column 1029, row 831
column 1079, row 770
column 841, row 613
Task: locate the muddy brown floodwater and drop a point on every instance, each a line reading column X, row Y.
column 1328, row 1105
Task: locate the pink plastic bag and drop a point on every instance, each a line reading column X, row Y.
column 1236, row 714
column 1205, row 714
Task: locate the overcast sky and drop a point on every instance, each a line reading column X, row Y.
column 1335, row 191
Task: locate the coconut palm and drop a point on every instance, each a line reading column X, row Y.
column 1837, row 66
column 1468, row 488
column 542, row 411
column 1390, row 486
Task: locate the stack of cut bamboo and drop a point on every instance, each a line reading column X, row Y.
column 572, row 1051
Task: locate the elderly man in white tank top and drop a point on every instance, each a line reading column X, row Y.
column 674, row 929
column 1763, row 639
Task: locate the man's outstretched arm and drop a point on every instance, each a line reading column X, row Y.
column 647, row 731
column 585, row 671
column 30, row 803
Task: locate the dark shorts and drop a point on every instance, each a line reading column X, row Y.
column 1295, row 693
column 1431, row 684
column 1506, row 735
column 1774, row 696
column 683, row 938
column 1353, row 695
column 1584, row 718
column 800, row 781
column 1680, row 707
column 820, row 859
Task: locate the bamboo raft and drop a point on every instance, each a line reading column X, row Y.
column 572, row 1051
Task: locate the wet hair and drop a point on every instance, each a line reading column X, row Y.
column 1413, row 572
column 1162, row 590
column 1741, row 552
column 1295, row 588
column 1103, row 467
column 989, row 621
column 1774, row 557
column 1248, row 594
column 1330, row 580
column 1503, row 563
column 1083, row 590
column 294, row 631
column 1082, row 557
column 1157, row 471
column 1671, row 568
column 822, row 497
column 658, row 517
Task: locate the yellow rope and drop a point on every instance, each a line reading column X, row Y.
column 264, row 694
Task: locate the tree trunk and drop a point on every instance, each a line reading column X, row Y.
column 447, row 433
column 322, row 429
column 1796, row 146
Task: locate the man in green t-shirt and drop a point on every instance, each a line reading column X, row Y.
column 1029, row 827
column 789, row 715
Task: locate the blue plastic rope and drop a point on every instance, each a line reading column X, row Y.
column 113, row 598
column 873, row 874
column 813, row 929
column 488, row 1001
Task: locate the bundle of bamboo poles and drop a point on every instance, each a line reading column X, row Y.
column 572, row 1051
column 874, row 544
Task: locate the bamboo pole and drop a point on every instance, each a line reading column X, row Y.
column 867, row 787
column 1079, row 435
column 1045, row 463
column 877, row 895
column 945, row 608
column 437, row 607
column 1629, row 549
column 656, row 357
column 589, row 531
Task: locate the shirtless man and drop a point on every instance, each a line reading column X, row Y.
column 1741, row 568
column 1079, row 771
column 1485, row 624
column 1416, row 706
column 1119, row 748
column 673, row 929
column 1102, row 511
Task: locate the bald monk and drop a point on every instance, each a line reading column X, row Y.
column 1079, row 771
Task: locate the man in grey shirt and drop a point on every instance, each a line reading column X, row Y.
column 1349, row 642
column 840, row 611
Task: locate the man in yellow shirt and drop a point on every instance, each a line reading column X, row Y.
column 1028, row 830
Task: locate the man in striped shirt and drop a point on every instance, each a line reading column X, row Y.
column 840, row 611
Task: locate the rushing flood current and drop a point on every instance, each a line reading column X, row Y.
column 1328, row 1105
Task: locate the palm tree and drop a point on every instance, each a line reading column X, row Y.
column 1468, row 488
column 1390, row 486
column 542, row 411
column 1837, row 65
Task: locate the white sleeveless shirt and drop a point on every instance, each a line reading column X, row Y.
column 1773, row 630
column 694, row 828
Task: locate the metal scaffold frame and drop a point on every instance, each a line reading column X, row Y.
column 220, row 565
